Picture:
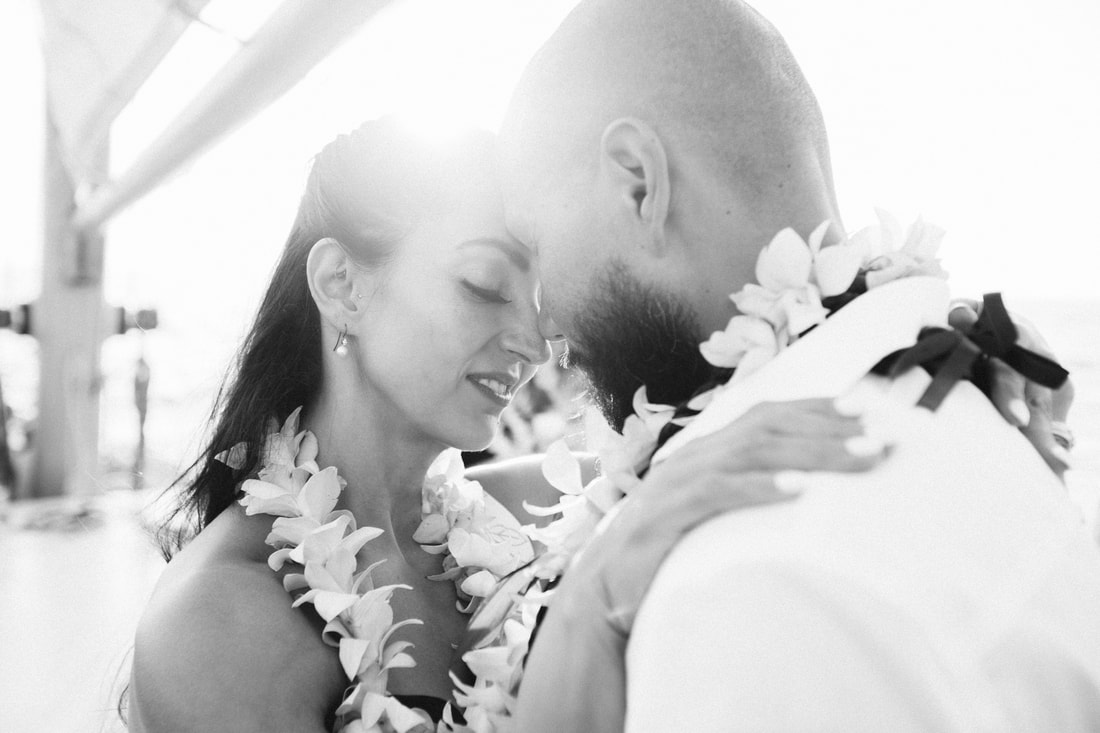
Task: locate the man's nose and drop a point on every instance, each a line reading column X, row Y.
column 548, row 328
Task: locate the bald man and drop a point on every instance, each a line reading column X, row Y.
column 651, row 150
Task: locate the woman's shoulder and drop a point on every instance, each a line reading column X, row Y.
column 220, row 648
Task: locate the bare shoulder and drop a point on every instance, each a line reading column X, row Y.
column 220, row 648
column 517, row 480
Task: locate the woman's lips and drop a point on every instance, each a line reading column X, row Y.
column 500, row 388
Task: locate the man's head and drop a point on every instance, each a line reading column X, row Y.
column 651, row 149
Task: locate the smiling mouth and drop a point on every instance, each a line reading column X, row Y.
column 500, row 392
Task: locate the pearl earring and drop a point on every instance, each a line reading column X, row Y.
column 341, row 347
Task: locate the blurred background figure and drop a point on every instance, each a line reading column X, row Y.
column 154, row 153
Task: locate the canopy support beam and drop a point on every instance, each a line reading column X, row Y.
column 297, row 36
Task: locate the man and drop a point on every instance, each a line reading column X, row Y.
column 651, row 150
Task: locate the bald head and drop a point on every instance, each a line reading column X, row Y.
column 651, row 149
column 714, row 79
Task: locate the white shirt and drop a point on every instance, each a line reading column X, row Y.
column 953, row 588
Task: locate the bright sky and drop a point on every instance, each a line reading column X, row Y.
column 983, row 115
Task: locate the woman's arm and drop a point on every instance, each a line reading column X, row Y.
column 223, row 650
column 593, row 608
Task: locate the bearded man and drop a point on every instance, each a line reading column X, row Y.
column 651, row 151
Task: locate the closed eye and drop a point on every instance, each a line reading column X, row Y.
column 489, row 296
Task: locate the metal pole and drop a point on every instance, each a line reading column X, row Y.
column 69, row 326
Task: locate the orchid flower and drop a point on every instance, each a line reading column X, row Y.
column 892, row 252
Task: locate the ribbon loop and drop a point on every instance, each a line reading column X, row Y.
column 994, row 332
column 951, row 355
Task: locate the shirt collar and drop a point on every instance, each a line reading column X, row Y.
column 829, row 360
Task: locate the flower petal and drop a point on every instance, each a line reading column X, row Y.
column 234, row 457
column 753, row 300
column 892, row 232
column 355, row 541
column 835, row 268
column 448, row 465
column 470, row 550
column 726, row 348
column 432, row 530
column 351, row 655
column 480, row 584
column 318, row 497
column 817, row 236
column 785, row 262
column 923, row 240
column 401, row 718
column 258, row 489
column 868, row 242
column 307, row 450
column 290, row 531
column 329, row 604
column 804, row 311
column 277, row 559
column 754, row 359
column 562, row 469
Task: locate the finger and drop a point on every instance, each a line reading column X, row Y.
column 1040, row 403
column 809, row 453
column 1062, row 400
column 1008, row 394
column 800, row 417
column 1042, row 438
column 963, row 315
column 1040, row 429
column 845, row 454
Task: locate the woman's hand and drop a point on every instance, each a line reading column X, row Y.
column 755, row 460
column 1029, row 406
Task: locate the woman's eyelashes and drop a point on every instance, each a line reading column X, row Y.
column 488, row 295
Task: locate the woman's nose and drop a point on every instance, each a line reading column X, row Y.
column 526, row 341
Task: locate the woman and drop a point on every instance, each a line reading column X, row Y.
column 402, row 318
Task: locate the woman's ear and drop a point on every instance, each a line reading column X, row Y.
column 331, row 272
column 633, row 162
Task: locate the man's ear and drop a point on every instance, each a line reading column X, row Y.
column 634, row 163
column 331, row 276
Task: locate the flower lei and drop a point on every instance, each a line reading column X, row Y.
column 800, row 284
column 479, row 543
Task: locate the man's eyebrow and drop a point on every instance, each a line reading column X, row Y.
column 518, row 254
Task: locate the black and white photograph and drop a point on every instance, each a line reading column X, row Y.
column 571, row 366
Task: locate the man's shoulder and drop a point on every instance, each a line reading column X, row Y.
column 963, row 498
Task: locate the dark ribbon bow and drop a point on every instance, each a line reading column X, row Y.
column 950, row 355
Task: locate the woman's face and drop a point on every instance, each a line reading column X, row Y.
column 450, row 328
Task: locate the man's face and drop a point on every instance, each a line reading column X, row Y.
column 623, row 330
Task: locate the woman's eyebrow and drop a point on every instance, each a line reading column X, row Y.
column 517, row 254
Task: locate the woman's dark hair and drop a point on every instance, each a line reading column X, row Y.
column 366, row 190
column 363, row 190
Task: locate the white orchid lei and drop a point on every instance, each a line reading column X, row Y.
column 479, row 543
column 796, row 278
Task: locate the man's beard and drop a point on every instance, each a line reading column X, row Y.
column 630, row 333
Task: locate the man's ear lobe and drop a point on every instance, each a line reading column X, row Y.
column 633, row 157
column 331, row 276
